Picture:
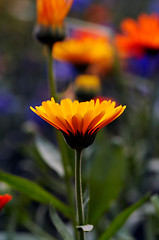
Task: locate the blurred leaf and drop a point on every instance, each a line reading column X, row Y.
column 13, row 222
column 124, row 237
column 34, row 191
column 86, row 202
column 119, row 221
column 106, row 178
column 19, row 236
column 155, row 201
column 43, row 171
column 50, row 154
column 37, row 230
column 60, row 226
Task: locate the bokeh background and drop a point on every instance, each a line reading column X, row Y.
column 23, row 83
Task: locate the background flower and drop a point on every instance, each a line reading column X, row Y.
column 87, row 87
column 139, row 37
column 52, row 12
column 84, row 51
column 4, row 199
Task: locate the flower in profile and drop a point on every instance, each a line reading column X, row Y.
column 87, row 86
column 4, row 199
column 139, row 37
column 79, row 122
column 52, row 12
column 82, row 52
column 50, row 18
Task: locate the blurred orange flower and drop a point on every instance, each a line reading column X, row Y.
column 78, row 121
column 4, row 199
column 84, row 51
column 139, row 37
column 52, row 12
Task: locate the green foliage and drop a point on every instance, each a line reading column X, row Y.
column 155, row 202
column 37, row 231
column 106, row 178
column 121, row 219
column 60, row 226
column 34, row 191
column 20, row 236
column 50, row 154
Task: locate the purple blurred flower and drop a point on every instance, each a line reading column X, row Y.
column 80, row 5
column 145, row 66
column 154, row 6
column 64, row 74
column 8, row 102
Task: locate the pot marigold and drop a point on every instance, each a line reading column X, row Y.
column 139, row 37
column 84, row 51
column 50, row 18
column 78, row 121
column 52, row 12
column 4, row 199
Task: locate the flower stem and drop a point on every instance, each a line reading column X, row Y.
column 61, row 143
column 78, row 191
column 52, row 86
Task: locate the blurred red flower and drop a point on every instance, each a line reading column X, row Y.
column 139, row 37
column 4, row 199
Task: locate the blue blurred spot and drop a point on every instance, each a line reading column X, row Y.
column 80, row 5
column 64, row 74
column 8, row 102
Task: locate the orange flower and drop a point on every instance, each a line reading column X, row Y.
column 139, row 37
column 84, row 51
column 4, row 199
column 52, row 12
column 79, row 122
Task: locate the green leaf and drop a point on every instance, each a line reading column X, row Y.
column 34, row 191
column 50, row 154
column 155, row 201
column 107, row 177
column 37, row 230
column 119, row 221
column 60, row 226
column 19, row 236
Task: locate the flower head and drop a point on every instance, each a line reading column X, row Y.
column 139, row 37
column 78, row 121
column 50, row 17
column 84, row 51
column 52, row 12
column 4, row 199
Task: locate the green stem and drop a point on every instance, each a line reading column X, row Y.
column 78, row 191
column 52, row 86
column 61, row 143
